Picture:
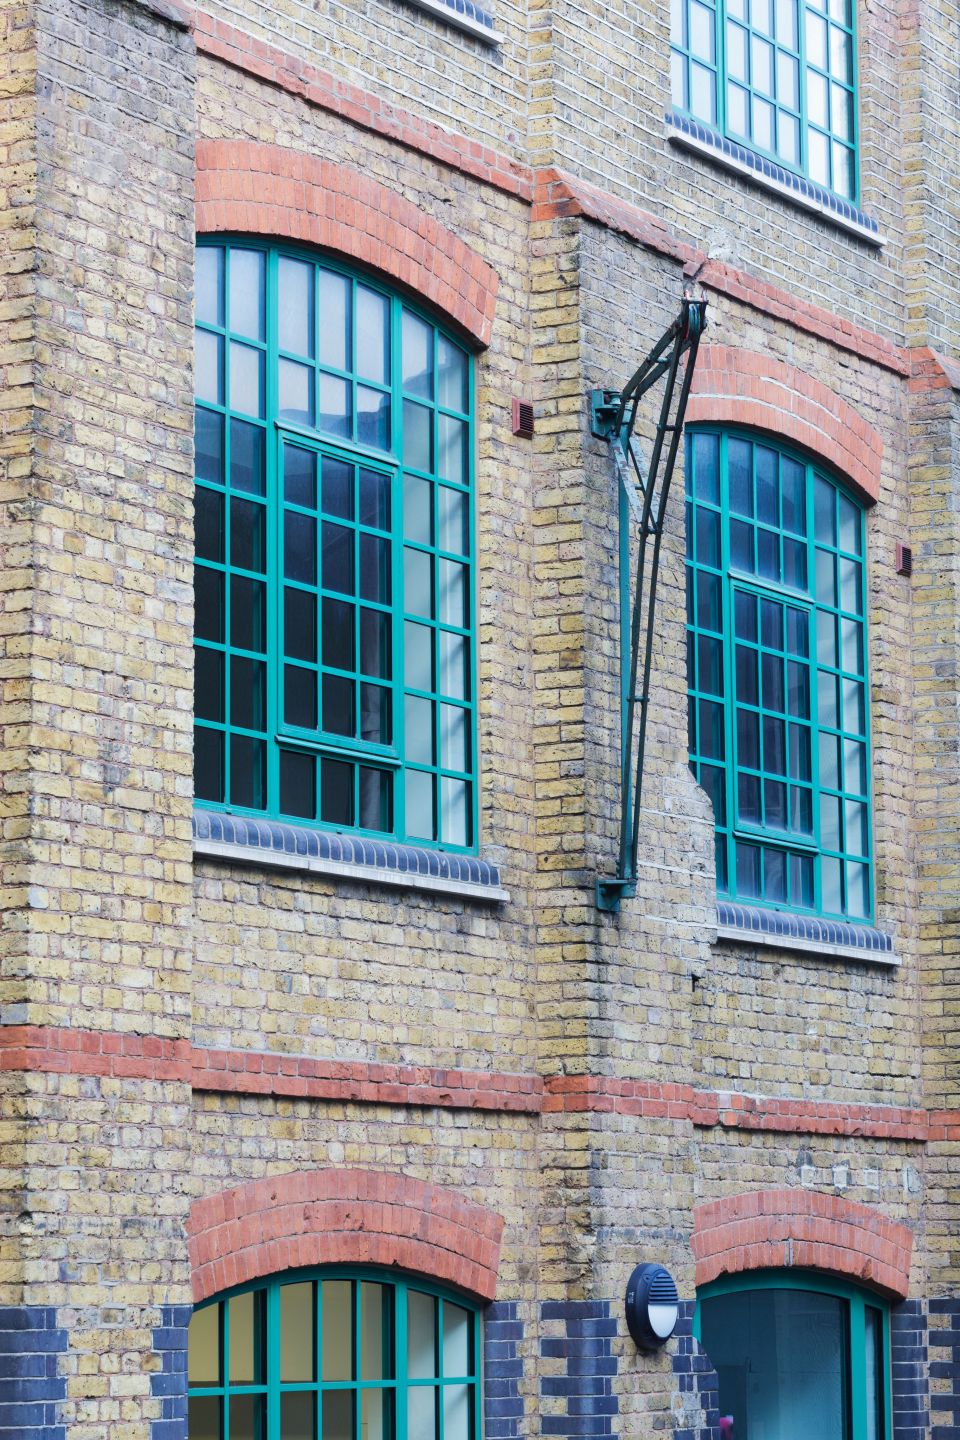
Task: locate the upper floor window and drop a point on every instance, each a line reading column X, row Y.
column 777, row 673
column 775, row 75
column 334, row 1356
column 334, row 551
column 797, row 1355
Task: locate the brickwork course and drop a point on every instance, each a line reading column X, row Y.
column 214, row 1069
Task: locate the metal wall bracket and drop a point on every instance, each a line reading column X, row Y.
column 604, row 407
column 613, row 416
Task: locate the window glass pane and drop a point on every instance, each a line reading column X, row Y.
column 336, row 808
column 298, row 789
column 300, row 624
column 204, row 1418
column 247, row 693
column 208, row 453
column 337, row 571
column 421, row 1412
column 335, row 407
column 740, row 476
column 452, row 456
column 296, row 1316
column 417, row 348
column 295, row 317
column 373, row 418
column 703, row 96
column 208, row 367
column 208, row 771
column 247, row 457
column 373, row 335
column 337, row 1327
column 208, row 526
column 245, row 1318
column 451, row 375
column 208, row 684
column 418, row 510
column 204, row 1346
column 376, row 1415
column 247, row 293
column 417, row 582
column 333, row 314
column 337, row 1415
column 706, row 456
column 417, row 436
column 421, row 1335
column 338, row 633
column 209, row 284
column 297, row 1411
column 376, row 1332
column 339, row 705
column 336, row 489
column 453, row 665
column 247, row 613
column 375, row 499
column 824, row 510
column 456, row 1412
column 296, row 392
column 248, row 527
column 420, row 804
column 455, row 813
column 246, row 379
column 300, row 697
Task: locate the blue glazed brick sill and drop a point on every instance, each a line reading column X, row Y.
column 706, row 141
column 353, row 857
column 463, row 15
column 756, row 925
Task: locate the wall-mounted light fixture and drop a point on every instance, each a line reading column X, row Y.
column 652, row 1306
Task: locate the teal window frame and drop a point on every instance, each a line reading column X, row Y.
column 857, row 1300
column 778, row 76
column 273, row 1388
column 415, row 782
column 816, row 854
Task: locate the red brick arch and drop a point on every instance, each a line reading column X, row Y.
column 256, row 189
column 744, row 387
column 776, row 1228
column 355, row 1217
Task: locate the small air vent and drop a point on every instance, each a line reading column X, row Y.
column 904, row 559
column 522, row 422
column 662, row 1290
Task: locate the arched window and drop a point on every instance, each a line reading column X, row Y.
column 777, row 674
column 335, row 1355
column 334, row 549
column 797, row 1355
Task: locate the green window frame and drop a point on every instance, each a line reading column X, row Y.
column 860, row 1319
column 778, row 76
column 335, row 1354
column 334, row 571
column 778, row 707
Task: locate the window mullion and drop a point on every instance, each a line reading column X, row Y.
column 858, row 1370
column 274, row 577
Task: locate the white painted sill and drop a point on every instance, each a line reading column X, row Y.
column 809, row 203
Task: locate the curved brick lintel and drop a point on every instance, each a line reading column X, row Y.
column 776, row 1228
column 253, row 189
column 744, row 387
column 355, row 1217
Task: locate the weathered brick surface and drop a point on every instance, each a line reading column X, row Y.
column 180, row 1037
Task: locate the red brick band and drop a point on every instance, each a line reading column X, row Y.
column 290, row 72
column 707, row 1109
column 776, row 1228
column 49, row 1049
column 354, row 1217
column 266, row 190
column 744, row 387
column 252, row 1072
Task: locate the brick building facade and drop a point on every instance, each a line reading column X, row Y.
column 336, row 1015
